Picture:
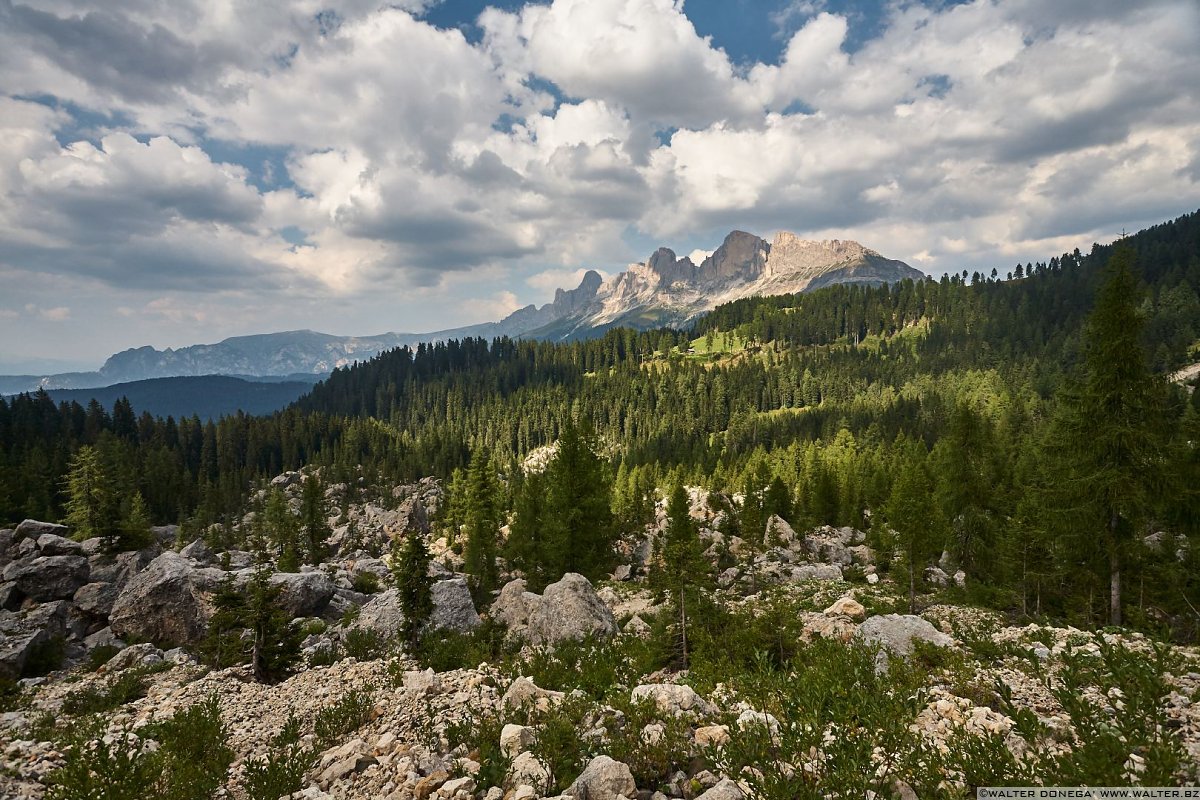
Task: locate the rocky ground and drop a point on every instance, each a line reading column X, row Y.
column 489, row 730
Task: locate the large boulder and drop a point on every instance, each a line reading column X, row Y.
column 453, row 608
column 32, row 529
column 22, row 634
column 96, row 599
column 513, row 607
column 47, row 577
column 673, row 698
column 604, row 779
column 51, row 544
column 569, row 609
column 896, row 633
column 161, row 604
column 304, row 594
column 382, row 614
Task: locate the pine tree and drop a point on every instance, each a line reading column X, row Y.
column 272, row 646
column 282, row 530
column 313, row 520
column 526, row 546
column 579, row 526
column 135, row 524
column 90, row 498
column 683, row 570
column 410, row 567
column 1110, row 436
column 482, row 514
column 913, row 515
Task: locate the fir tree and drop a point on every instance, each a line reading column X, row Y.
column 90, row 498
column 135, row 524
column 313, row 520
column 482, row 514
column 912, row 514
column 410, row 566
column 1111, row 438
column 579, row 525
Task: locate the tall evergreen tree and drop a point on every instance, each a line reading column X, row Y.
column 483, row 518
column 90, row 501
column 912, row 514
column 410, row 567
column 313, row 520
column 579, row 526
column 526, row 545
column 1111, row 430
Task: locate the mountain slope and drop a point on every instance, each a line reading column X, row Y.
column 664, row 291
column 207, row 397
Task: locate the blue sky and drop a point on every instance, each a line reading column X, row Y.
column 179, row 173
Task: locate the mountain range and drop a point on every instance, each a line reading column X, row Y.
column 665, row 290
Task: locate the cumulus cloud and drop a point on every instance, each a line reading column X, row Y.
column 414, row 163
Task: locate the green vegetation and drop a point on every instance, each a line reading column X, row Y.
column 1036, row 409
column 352, row 710
column 249, row 627
column 190, row 762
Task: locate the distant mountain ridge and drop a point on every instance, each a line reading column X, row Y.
column 665, row 290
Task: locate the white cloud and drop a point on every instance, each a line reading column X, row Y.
column 426, row 170
column 56, row 314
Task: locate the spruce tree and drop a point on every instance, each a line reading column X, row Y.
column 526, row 546
column 90, row 498
column 135, row 524
column 579, row 526
column 911, row 512
column 410, row 566
column 1111, row 435
column 282, row 530
column 482, row 515
column 313, row 520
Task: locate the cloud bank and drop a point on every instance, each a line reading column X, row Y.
column 248, row 165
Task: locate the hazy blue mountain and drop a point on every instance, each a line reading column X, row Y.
column 206, row 396
column 662, row 291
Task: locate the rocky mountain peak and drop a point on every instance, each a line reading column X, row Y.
column 742, row 255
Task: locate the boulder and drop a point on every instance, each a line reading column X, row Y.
column 22, row 634
column 51, row 544
column 453, row 608
column 604, row 779
column 96, row 599
column 779, row 533
column 118, row 569
column 6, row 546
column 523, row 691
column 527, row 771
column 936, row 576
column 897, row 632
column 136, row 655
column 32, row 529
column 304, row 594
column 382, row 614
column 846, row 607
column 712, row 735
column 637, row 627
column 161, row 604
column 515, row 739
column 199, row 552
column 48, row 577
column 673, row 698
column 817, row 572
column 726, row 789
column 514, row 606
column 570, row 609
column 102, row 638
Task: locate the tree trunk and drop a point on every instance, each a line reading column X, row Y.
column 912, row 587
column 1114, row 570
column 683, row 626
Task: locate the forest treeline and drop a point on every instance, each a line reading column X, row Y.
column 961, row 385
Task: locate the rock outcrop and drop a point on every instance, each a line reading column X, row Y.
column 568, row 609
column 161, row 604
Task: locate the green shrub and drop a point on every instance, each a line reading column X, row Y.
column 447, row 650
column 365, row 644
column 126, row 687
column 11, row 696
column 194, row 751
column 348, row 714
column 325, row 655
column 281, row 772
column 365, row 582
column 97, row 767
column 313, row 627
column 480, row 735
column 44, row 657
column 98, row 657
column 594, row 666
column 190, row 762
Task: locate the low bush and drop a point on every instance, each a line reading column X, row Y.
column 126, row 687
column 281, row 772
column 365, row 582
column 365, row 644
column 348, row 714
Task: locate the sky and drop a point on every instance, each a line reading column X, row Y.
column 179, row 171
